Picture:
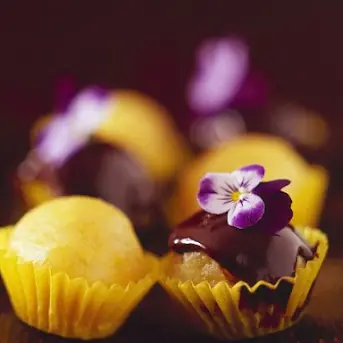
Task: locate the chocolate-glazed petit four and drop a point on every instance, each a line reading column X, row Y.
column 104, row 171
column 244, row 226
column 100, row 170
column 96, row 148
column 247, row 254
column 242, row 267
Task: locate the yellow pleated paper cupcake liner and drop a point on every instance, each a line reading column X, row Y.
column 220, row 307
column 5, row 233
column 71, row 308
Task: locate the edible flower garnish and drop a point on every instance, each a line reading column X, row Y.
column 221, row 68
column 246, row 199
column 70, row 130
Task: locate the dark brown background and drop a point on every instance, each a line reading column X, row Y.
column 149, row 45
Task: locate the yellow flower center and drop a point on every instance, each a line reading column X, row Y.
column 236, row 196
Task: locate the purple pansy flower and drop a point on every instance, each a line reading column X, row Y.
column 246, row 200
column 221, row 67
column 70, row 130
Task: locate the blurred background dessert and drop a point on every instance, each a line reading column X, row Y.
column 120, row 146
column 241, row 252
column 308, row 187
column 74, row 267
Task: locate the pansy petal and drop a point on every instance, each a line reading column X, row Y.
column 221, row 68
column 270, row 187
column 88, row 110
column 246, row 212
column 250, row 176
column 58, row 142
column 214, row 195
column 278, row 212
column 215, row 204
column 221, row 183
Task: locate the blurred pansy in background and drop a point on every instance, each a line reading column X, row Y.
column 223, row 77
column 119, row 145
column 64, row 92
column 221, row 66
column 57, row 137
column 222, row 84
column 70, row 130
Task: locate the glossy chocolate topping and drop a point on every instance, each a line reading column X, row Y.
column 101, row 170
column 107, row 172
column 250, row 254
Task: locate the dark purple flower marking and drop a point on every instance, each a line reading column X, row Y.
column 206, row 188
column 278, row 204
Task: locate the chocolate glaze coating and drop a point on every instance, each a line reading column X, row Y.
column 250, row 254
column 107, row 172
column 103, row 171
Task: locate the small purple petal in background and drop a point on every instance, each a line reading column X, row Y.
column 69, row 131
column 221, row 67
column 247, row 212
column 58, row 142
column 88, row 109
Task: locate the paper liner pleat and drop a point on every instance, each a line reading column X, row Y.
column 218, row 306
column 71, row 308
column 5, row 233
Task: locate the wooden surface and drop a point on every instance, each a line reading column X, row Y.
column 323, row 322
